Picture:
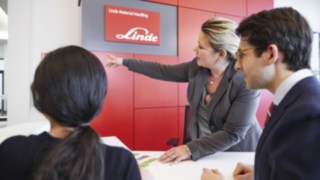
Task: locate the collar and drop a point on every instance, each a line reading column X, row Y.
column 288, row 83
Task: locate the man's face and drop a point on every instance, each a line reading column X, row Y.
column 257, row 72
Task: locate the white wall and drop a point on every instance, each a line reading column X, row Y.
column 34, row 27
column 310, row 9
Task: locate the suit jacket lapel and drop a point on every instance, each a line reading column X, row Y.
column 199, row 83
column 222, row 88
column 287, row 101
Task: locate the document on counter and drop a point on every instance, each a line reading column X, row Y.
column 144, row 160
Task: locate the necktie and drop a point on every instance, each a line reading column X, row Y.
column 270, row 110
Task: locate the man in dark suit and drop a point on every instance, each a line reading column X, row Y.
column 274, row 54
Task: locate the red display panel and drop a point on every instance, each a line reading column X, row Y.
column 132, row 25
column 234, row 18
column 189, row 23
column 155, row 93
column 255, row 6
column 171, row 2
column 116, row 117
column 153, row 127
column 232, row 7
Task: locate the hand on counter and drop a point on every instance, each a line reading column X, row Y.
column 175, row 154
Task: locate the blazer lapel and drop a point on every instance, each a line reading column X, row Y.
column 199, row 84
column 222, row 88
column 277, row 114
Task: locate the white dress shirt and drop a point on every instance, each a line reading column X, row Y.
column 288, row 83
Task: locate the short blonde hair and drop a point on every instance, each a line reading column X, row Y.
column 222, row 36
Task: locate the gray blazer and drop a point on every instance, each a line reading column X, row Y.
column 233, row 122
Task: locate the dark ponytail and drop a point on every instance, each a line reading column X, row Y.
column 70, row 86
column 80, row 156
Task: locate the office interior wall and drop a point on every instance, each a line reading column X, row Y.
column 35, row 27
column 308, row 8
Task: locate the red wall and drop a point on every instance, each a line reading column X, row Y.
column 144, row 113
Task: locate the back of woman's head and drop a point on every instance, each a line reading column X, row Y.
column 222, row 36
column 70, row 86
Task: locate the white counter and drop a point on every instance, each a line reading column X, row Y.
column 192, row 170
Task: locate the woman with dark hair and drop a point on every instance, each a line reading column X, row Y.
column 69, row 88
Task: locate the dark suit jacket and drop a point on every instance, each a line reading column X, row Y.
column 289, row 147
column 233, row 122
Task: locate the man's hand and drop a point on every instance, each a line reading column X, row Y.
column 213, row 174
column 243, row 172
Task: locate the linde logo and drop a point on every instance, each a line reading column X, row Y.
column 138, row 34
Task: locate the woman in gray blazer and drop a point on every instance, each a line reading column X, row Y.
column 223, row 109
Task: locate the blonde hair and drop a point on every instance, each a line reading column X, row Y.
column 222, row 36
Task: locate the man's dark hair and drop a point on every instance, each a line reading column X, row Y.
column 284, row 27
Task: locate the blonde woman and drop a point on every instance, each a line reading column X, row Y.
column 223, row 110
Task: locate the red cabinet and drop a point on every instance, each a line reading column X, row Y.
column 155, row 93
column 116, row 117
column 154, row 126
column 155, row 108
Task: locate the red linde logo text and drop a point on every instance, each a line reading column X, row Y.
column 138, row 34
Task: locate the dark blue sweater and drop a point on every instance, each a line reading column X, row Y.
column 19, row 155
